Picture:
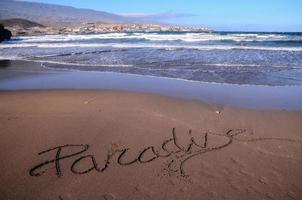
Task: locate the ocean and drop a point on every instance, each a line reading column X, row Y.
column 270, row 59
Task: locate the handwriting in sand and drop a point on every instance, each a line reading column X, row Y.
column 170, row 148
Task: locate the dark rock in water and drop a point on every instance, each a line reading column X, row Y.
column 4, row 34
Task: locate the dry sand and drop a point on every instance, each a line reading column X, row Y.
column 114, row 145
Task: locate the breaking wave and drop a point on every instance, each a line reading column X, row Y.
column 158, row 46
column 222, row 57
column 187, row 37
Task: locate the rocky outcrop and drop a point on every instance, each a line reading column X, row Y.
column 4, row 34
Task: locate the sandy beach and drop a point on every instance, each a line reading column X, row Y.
column 150, row 100
column 89, row 144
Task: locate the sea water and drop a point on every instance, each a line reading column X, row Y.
column 273, row 59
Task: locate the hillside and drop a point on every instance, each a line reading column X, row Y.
column 29, row 18
column 19, row 22
column 45, row 13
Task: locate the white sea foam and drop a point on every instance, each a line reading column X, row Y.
column 51, row 45
column 146, row 45
column 154, row 40
column 187, row 37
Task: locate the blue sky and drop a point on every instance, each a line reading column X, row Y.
column 246, row 15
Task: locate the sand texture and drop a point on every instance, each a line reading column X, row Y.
column 78, row 145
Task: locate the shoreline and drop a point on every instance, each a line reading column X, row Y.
column 15, row 76
column 61, row 69
column 85, row 135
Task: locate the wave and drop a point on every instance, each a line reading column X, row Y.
column 147, row 45
column 43, row 59
column 186, row 37
column 49, row 45
column 72, row 67
column 44, row 64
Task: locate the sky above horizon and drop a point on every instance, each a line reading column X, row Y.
column 236, row 15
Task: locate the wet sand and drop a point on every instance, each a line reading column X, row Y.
column 25, row 75
column 92, row 144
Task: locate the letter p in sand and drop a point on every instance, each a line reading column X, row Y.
column 58, row 157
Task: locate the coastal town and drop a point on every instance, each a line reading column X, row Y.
column 18, row 27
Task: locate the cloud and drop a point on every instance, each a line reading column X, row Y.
column 157, row 16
